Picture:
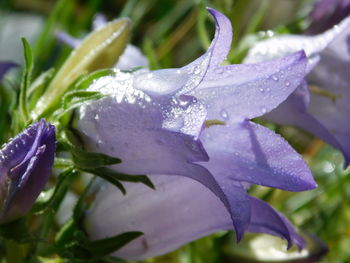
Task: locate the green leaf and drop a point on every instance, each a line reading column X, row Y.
column 105, row 172
column 37, row 88
column 81, row 206
column 78, row 97
column 109, row 178
column 100, row 49
column 64, row 180
column 65, row 235
column 85, row 81
column 87, row 160
column 17, row 231
column 28, row 57
column 104, row 247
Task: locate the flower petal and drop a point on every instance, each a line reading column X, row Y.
column 169, row 216
column 4, row 67
column 251, row 153
column 265, row 219
column 25, row 166
column 155, row 136
column 327, row 13
column 283, row 45
column 183, row 80
column 131, row 58
column 294, row 111
column 235, row 92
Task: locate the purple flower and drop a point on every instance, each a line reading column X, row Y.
column 325, row 111
column 326, row 14
column 193, row 123
column 25, row 165
column 4, row 67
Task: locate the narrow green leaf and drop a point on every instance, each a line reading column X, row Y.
column 79, row 96
column 81, row 206
column 87, row 160
column 104, row 247
column 108, row 178
column 37, row 88
column 107, row 172
column 28, row 57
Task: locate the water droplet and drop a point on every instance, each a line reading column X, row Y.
column 275, row 78
column 263, row 110
column 261, row 89
column 287, row 83
column 197, row 70
column 224, row 114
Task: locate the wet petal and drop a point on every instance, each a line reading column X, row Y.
column 294, row 111
column 265, row 219
column 184, row 80
column 283, row 45
column 235, row 92
column 251, row 153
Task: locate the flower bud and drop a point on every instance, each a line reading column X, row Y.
column 25, row 165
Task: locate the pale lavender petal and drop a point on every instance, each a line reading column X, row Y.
column 131, row 58
column 283, row 45
column 332, row 75
column 5, row 66
column 99, row 21
column 67, row 39
column 326, row 117
column 180, row 210
column 251, row 153
column 183, row 80
column 265, row 219
column 235, row 92
column 294, row 111
column 154, row 136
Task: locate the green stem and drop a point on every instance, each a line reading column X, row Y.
column 14, row 252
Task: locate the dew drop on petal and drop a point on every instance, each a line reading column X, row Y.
column 224, row 114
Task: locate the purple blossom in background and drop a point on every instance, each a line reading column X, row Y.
column 4, row 67
column 188, row 129
column 25, row 165
column 325, row 112
column 326, row 14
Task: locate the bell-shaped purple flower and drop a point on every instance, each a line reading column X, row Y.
column 4, row 67
column 193, row 123
column 25, row 166
column 323, row 112
column 326, row 14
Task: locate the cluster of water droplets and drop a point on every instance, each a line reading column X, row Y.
column 184, row 114
column 121, row 88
